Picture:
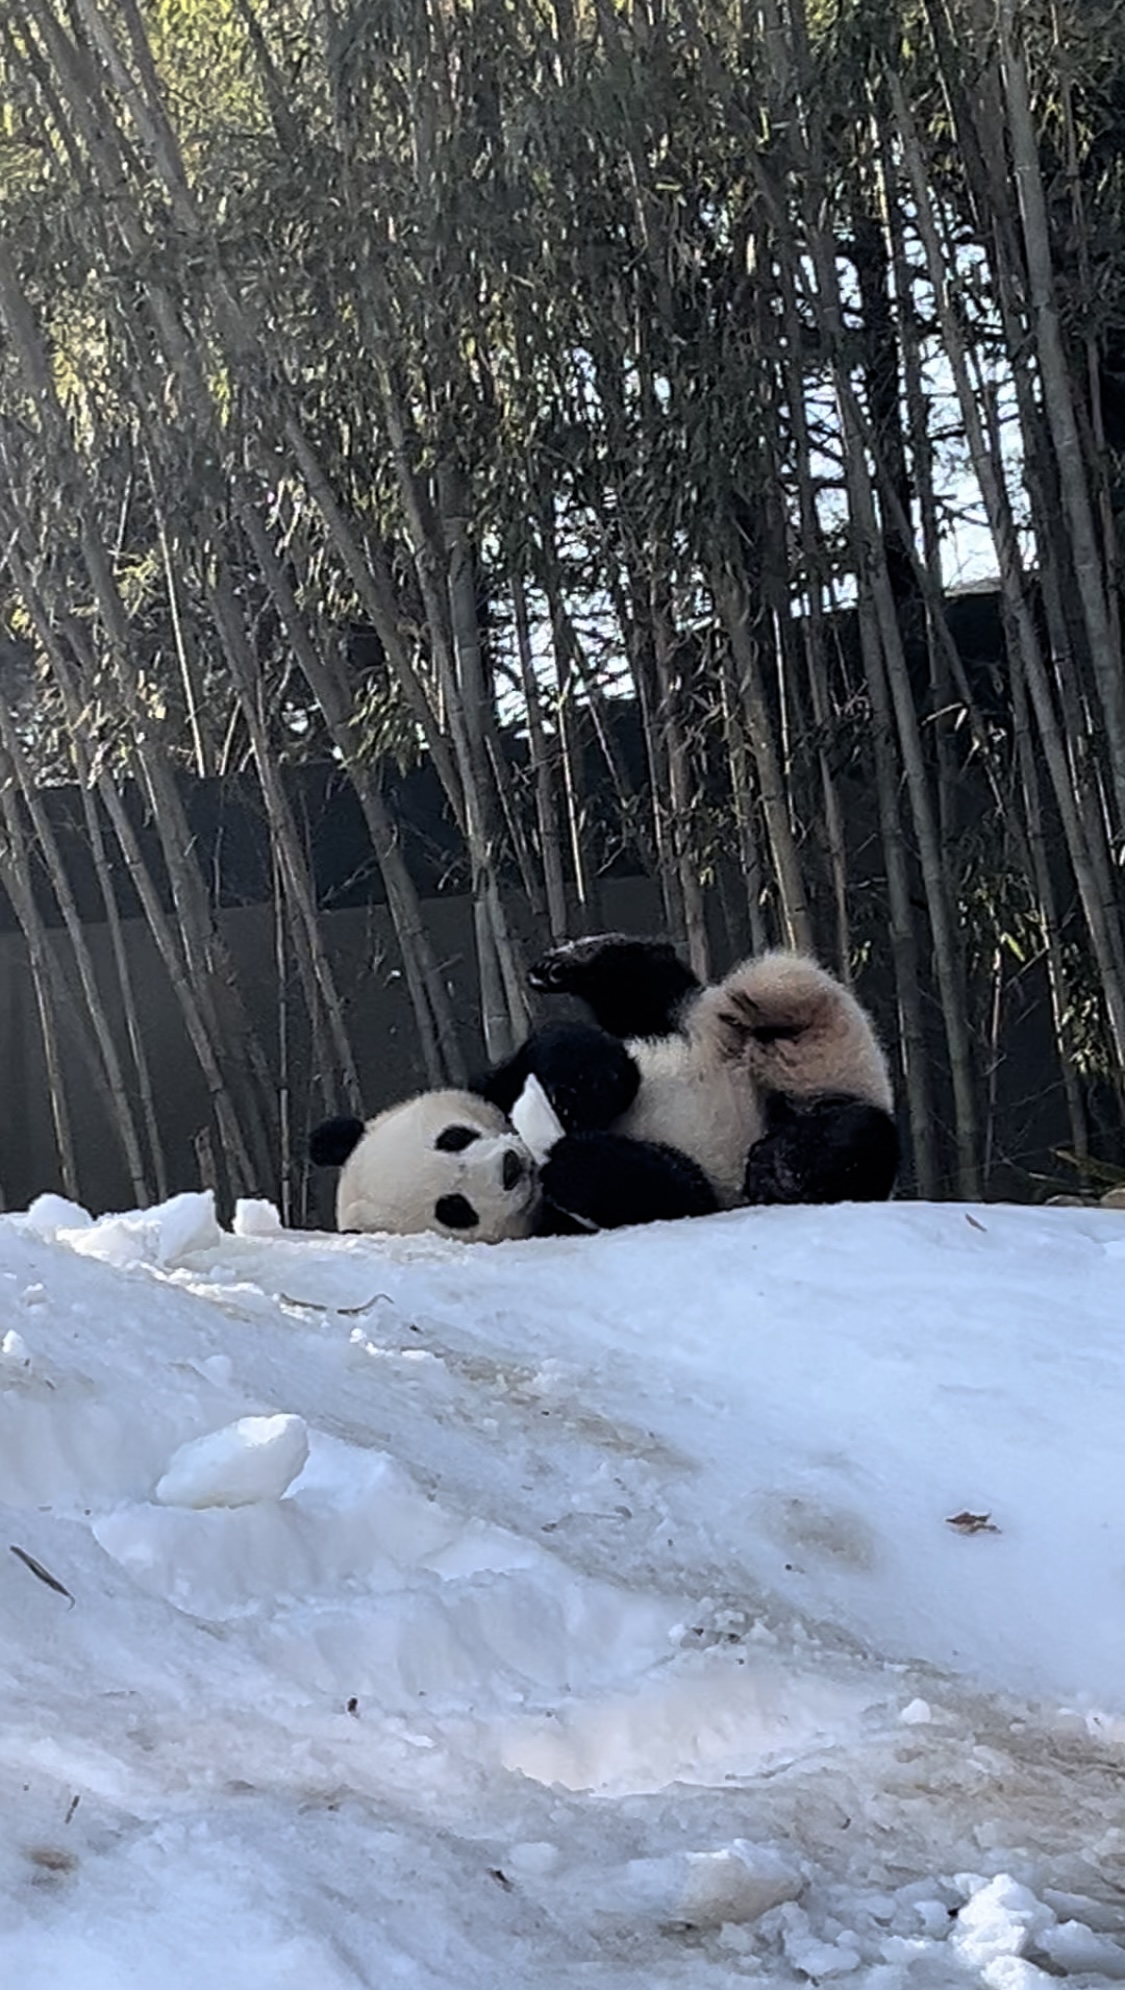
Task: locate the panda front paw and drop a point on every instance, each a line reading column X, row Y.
column 561, row 969
column 605, row 1181
column 632, row 987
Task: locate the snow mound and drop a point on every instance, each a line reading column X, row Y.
column 732, row 1599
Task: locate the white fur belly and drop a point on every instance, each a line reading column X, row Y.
column 683, row 1103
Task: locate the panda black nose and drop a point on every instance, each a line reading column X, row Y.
column 511, row 1169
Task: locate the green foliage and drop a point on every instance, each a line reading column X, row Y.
column 205, row 60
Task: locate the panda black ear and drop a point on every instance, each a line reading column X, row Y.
column 333, row 1140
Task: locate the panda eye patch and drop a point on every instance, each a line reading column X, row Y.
column 452, row 1139
column 455, row 1211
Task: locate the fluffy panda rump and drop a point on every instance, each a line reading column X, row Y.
column 796, row 1029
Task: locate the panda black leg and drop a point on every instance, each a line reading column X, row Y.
column 588, row 1075
column 603, row 1181
column 828, row 1149
column 632, row 987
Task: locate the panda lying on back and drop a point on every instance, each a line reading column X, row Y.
column 679, row 1100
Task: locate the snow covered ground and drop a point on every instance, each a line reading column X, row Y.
column 736, row 1600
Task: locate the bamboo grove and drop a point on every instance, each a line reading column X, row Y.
column 586, row 354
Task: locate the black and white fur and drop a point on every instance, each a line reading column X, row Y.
column 444, row 1161
column 679, row 1100
column 451, row 1161
column 771, row 1081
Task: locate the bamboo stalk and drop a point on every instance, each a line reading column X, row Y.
column 989, row 473
column 735, row 611
column 206, row 958
column 546, row 806
column 47, row 988
column 165, row 934
column 1058, row 401
column 89, row 783
column 93, row 1008
column 433, row 1014
column 313, row 966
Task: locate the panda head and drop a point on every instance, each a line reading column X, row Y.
column 444, row 1161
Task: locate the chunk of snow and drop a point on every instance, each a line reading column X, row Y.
column 49, row 1214
column 1078, row 1951
column 254, row 1217
column 934, row 1916
column 159, row 1236
column 916, row 1713
column 252, row 1460
column 733, row 1883
column 808, row 1953
column 1003, row 1918
column 1015, row 1972
column 738, row 1884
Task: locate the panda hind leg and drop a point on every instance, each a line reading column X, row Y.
column 796, row 1029
column 826, row 1149
column 632, row 987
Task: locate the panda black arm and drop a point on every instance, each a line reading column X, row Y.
column 826, row 1149
column 602, row 1181
column 588, row 1076
column 632, row 987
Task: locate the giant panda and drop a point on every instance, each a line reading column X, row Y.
column 445, row 1161
column 678, row 1100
